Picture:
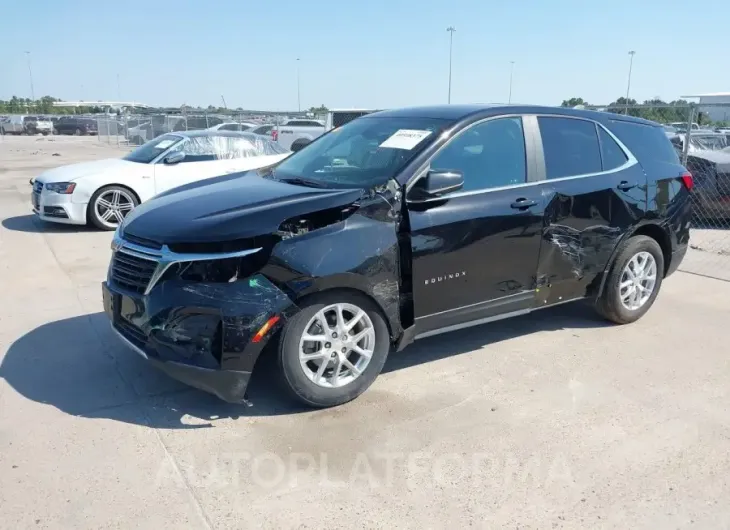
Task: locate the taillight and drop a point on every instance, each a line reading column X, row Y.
column 688, row 180
column 274, row 135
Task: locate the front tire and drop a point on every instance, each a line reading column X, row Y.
column 109, row 206
column 333, row 349
column 633, row 281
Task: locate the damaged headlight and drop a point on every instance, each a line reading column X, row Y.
column 294, row 228
column 218, row 270
column 298, row 226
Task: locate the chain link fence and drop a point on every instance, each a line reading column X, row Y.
column 136, row 129
column 705, row 148
column 701, row 136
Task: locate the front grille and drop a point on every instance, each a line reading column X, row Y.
column 142, row 241
column 37, row 187
column 131, row 332
column 132, row 272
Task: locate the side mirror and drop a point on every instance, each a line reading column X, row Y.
column 436, row 184
column 174, row 158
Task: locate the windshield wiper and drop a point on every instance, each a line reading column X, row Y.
column 303, row 182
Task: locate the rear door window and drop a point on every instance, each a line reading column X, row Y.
column 570, row 145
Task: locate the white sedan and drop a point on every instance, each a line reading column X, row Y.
column 103, row 192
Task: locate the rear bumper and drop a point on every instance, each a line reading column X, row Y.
column 200, row 334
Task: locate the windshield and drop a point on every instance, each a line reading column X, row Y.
column 146, row 153
column 365, row 152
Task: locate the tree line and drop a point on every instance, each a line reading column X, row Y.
column 651, row 109
column 44, row 105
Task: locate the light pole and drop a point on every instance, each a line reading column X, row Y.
column 511, row 71
column 628, row 86
column 30, row 74
column 299, row 99
column 451, row 30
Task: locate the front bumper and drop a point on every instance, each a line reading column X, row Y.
column 200, row 333
column 57, row 208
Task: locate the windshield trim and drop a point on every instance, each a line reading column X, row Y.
column 164, row 153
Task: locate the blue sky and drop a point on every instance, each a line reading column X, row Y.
column 357, row 53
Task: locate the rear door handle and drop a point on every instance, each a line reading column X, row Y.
column 625, row 186
column 521, row 204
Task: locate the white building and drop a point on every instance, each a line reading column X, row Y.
column 720, row 109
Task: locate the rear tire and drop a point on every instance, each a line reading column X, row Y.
column 625, row 298
column 299, row 144
column 299, row 375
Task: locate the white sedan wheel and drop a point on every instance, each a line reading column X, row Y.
column 110, row 205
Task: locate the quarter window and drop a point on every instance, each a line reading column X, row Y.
column 490, row 155
column 570, row 146
column 612, row 155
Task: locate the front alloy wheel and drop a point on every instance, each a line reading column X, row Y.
column 109, row 206
column 337, row 345
column 332, row 350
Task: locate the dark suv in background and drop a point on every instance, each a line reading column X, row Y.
column 397, row 226
column 77, row 126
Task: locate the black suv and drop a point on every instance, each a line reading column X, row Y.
column 77, row 126
column 396, row 226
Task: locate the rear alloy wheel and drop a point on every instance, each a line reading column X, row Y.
column 333, row 349
column 110, row 205
column 633, row 281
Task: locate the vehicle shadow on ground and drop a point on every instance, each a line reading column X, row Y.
column 31, row 224
column 80, row 367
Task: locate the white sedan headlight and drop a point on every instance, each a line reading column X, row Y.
column 64, row 188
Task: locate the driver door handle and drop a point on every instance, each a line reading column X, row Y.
column 626, row 186
column 521, row 204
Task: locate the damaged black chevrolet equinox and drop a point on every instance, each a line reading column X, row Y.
column 396, row 226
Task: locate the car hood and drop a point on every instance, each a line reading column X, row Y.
column 76, row 171
column 227, row 208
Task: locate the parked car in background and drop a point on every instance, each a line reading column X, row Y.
column 233, row 126
column 387, row 231
column 263, row 129
column 708, row 159
column 682, row 126
column 103, row 192
column 296, row 133
column 75, row 126
column 21, row 124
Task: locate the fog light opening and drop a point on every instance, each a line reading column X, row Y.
column 261, row 333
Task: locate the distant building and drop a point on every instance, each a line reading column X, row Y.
column 720, row 109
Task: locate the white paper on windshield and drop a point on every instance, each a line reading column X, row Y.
column 164, row 144
column 405, row 139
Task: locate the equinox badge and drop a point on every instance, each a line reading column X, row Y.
column 445, row 277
